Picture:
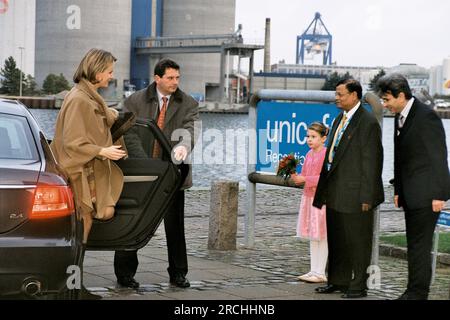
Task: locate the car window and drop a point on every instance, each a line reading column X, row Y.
column 16, row 140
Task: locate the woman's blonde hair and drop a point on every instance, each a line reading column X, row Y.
column 94, row 62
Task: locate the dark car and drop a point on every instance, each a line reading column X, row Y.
column 40, row 236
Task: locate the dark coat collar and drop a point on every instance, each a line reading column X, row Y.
column 152, row 95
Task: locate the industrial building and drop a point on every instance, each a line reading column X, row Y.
column 362, row 74
column 418, row 77
column 55, row 34
column 51, row 36
column 440, row 78
column 316, row 40
column 198, row 17
column 288, row 81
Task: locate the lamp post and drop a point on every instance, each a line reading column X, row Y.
column 21, row 67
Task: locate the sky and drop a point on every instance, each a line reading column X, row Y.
column 365, row 32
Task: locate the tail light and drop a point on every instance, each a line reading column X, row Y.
column 52, row 202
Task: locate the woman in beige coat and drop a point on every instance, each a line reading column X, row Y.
column 82, row 143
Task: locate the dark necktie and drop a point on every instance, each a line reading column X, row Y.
column 401, row 121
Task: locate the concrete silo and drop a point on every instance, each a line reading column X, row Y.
column 446, row 76
column 67, row 29
column 198, row 17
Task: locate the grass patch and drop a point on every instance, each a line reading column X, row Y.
column 399, row 240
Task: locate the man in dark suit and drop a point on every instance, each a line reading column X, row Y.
column 176, row 114
column 421, row 176
column 351, row 187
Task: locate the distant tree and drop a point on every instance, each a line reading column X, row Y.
column 31, row 88
column 373, row 82
column 333, row 79
column 10, row 84
column 54, row 84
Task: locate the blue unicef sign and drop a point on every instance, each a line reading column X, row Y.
column 282, row 129
column 444, row 219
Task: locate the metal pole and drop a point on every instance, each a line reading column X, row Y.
column 249, row 224
column 222, row 75
column 154, row 15
column 250, row 74
column 376, row 238
column 21, row 67
column 435, row 252
column 227, row 81
column 238, row 95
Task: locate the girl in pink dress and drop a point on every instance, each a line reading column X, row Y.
column 312, row 221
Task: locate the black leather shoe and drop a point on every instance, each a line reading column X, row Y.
column 354, row 294
column 331, row 288
column 409, row 296
column 180, row 281
column 128, row 282
column 404, row 296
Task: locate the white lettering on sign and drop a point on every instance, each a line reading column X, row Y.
column 292, row 132
column 74, row 19
column 444, row 219
column 274, row 157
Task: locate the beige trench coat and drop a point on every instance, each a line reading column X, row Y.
column 82, row 130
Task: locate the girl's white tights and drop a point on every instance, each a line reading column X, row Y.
column 319, row 256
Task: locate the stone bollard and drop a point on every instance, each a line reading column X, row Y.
column 223, row 215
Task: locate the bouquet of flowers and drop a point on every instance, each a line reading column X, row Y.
column 287, row 166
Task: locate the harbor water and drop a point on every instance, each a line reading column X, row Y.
column 233, row 168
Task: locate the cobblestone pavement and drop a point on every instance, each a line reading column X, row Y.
column 270, row 266
column 285, row 201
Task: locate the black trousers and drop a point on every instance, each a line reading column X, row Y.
column 126, row 262
column 420, row 226
column 349, row 248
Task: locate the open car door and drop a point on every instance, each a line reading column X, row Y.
column 149, row 186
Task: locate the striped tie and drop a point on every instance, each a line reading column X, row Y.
column 161, row 117
column 337, row 138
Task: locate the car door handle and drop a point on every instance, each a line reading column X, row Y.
column 135, row 179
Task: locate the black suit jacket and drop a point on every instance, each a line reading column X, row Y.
column 420, row 165
column 355, row 176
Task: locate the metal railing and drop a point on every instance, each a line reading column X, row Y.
column 187, row 41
